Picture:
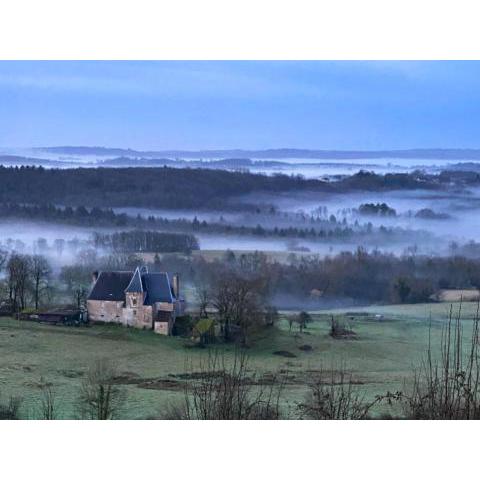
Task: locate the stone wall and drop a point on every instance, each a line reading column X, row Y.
column 140, row 317
column 162, row 328
column 134, row 299
column 133, row 314
column 105, row 311
column 164, row 307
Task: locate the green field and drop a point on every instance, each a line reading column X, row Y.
column 381, row 356
column 419, row 311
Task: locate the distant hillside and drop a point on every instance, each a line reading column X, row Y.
column 188, row 188
column 124, row 161
column 13, row 160
column 276, row 153
column 227, row 163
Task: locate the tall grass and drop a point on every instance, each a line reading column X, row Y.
column 335, row 395
column 446, row 386
column 221, row 391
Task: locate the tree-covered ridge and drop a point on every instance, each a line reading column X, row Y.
column 139, row 187
column 179, row 188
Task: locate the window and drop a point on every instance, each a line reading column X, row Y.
column 134, row 312
column 134, row 302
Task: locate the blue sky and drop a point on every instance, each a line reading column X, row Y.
column 202, row 105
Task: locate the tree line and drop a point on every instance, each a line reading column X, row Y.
column 359, row 277
column 184, row 188
column 145, row 241
column 27, row 280
column 243, row 286
column 329, row 229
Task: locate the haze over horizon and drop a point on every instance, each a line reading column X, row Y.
column 165, row 105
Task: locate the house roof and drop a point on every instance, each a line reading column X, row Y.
column 111, row 286
column 135, row 285
column 157, row 286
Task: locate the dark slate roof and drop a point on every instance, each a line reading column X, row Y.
column 111, row 286
column 157, row 286
column 135, row 284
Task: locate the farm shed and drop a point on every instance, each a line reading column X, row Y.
column 62, row 316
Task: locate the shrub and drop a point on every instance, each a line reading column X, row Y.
column 332, row 395
column 11, row 409
column 447, row 388
column 99, row 397
column 226, row 392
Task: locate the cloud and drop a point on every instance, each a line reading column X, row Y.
column 67, row 83
column 233, row 80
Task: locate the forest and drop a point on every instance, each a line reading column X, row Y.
column 322, row 228
column 186, row 188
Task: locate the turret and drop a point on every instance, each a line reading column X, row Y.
column 176, row 286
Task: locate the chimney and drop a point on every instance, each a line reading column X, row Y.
column 94, row 276
column 176, row 285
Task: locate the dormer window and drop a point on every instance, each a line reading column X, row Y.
column 134, row 302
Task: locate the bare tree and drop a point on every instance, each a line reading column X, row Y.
column 77, row 278
column 40, row 271
column 239, row 302
column 18, row 272
column 79, row 296
column 291, row 319
column 223, row 300
column 303, row 319
column 271, row 315
column 339, row 329
column 100, row 398
column 203, row 297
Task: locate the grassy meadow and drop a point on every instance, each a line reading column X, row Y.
column 381, row 356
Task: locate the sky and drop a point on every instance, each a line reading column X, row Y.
column 251, row 105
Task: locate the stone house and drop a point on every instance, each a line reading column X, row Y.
column 138, row 299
